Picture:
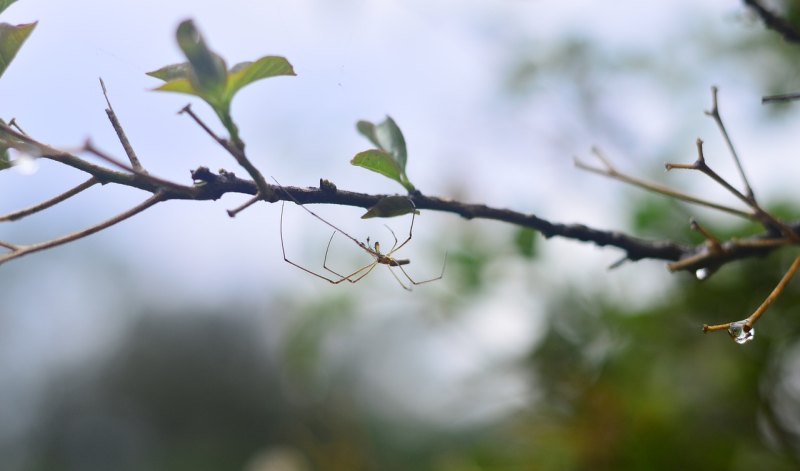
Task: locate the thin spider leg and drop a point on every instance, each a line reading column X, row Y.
column 348, row 277
column 415, row 283
column 410, row 230
column 330, row 224
column 310, row 272
column 358, row 278
column 394, row 245
column 407, row 288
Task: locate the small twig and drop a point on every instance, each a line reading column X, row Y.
column 264, row 188
column 775, row 22
column 748, row 324
column 233, row 212
column 780, row 98
column 21, row 250
column 13, row 123
column 123, row 138
column 611, row 172
column 701, row 166
column 51, row 202
column 759, row 214
column 89, row 147
column 9, row 245
column 714, row 113
column 711, row 239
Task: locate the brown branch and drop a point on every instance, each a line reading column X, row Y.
column 21, row 250
column 123, row 138
column 610, row 171
column 264, row 189
column 51, row 202
column 774, row 22
column 742, row 331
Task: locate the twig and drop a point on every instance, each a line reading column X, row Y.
column 123, row 138
column 701, row 166
column 611, row 172
column 21, row 250
column 714, row 114
column 265, row 189
column 736, row 329
column 13, row 123
column 233, row 212
column 775, row 22
column 51, row 202
column 780, row 98
column 166, row 184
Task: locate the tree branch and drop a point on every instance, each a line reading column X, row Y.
column 774, row 22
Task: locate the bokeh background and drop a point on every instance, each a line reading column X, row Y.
column 181, row 340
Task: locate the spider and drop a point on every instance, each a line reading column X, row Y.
column 373, row 249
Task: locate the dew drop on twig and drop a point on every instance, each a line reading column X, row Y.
column 702, row 273
column 741, row 333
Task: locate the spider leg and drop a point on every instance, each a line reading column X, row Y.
column 310, row 272
column 422, row 282
column 349, row 277
column 407, row 288
column 410, row 230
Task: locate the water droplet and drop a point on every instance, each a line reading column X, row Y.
column 702, row 273
column 741, row 332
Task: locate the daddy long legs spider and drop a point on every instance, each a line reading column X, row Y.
column 374, row 250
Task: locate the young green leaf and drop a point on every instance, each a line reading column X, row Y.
column 387, row 137
column 11, row 39
column 209, row 73
column 5, row 4
column 381, row 162
column 390, row 157
column 245, row 73
column 391, row 206
column 173, row 72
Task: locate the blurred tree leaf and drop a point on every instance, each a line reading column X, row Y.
column 209, row 74
column 390, row 158
column 5, row 4
column 11, row 39
column 391, row 206
column 205, row 75
column 5, row 161
column 525, row 242
column 245, row 73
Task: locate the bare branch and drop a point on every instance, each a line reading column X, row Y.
column 21, row 250
column 714, row 114
column 780, row 98
column 775, row 22
column 611, row 172
column 123, row 138
column 51, row 202
column 743, row 330
column 264, row 188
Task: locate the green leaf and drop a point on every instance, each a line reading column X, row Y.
column 391, row 206
column 11, row 39
column 209, row 74
column 388, row 137
column 5, row 4
column 525, row 242
column 173, row 72
column 5, row 160
column 245, row 73
column 390, row 157
column 381, row 162
column 179, row 86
